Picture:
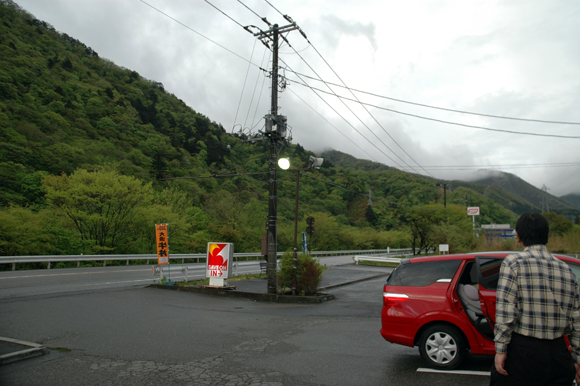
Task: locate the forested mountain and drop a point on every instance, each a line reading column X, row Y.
column 505, row 189
column 92, row 155
column 573, row 199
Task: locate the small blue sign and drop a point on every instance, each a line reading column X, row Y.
column 304, row 243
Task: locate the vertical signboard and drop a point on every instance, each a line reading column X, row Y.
column 473, row 211
column 162, row 244
column 218, row 263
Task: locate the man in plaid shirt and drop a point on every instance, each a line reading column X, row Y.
column 538, row 303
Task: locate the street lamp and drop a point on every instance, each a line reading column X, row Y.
column 312, row 163
column 284, row 163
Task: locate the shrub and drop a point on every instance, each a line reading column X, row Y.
column 308, row 273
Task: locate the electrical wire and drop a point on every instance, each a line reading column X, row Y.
column 440, row 108
column 244, row 86
column 334, row 127
column 355, row 129
column 211, row 176
column 434, row 119
column 372, row 116
column 261, row 90
column 512, row 166
column 254, row 92
column 260, row 17
column 225, row 14
column 203, row 36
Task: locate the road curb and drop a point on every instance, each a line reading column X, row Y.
column 34, row 350
column 353, row 281
column 262, row 297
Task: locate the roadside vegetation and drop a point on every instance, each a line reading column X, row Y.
column 93, row 155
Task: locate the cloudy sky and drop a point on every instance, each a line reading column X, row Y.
column 516, row 59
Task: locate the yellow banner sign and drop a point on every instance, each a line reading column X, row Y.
column 162, row 244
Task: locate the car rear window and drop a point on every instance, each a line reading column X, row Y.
column 423, row 274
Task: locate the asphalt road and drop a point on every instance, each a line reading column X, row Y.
column 134, row 335
column 15, row 284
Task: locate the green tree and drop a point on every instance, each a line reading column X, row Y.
column 101, row 204
column 559, row 225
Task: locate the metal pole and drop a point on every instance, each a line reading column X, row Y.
column 272, row 201
column 295, row 258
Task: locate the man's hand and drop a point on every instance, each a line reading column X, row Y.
column 500, row 363
column 577, row 372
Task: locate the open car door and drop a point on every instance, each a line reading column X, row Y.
column 488, row 276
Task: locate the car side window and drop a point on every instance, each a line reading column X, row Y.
column 424, row 273
column 488, row 271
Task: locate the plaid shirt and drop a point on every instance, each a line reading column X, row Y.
column 537, row 296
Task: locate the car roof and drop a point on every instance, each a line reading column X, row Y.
column 472, row 255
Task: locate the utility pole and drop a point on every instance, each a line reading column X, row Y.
column 273, row 181
column 444, row 194
column 275, row 131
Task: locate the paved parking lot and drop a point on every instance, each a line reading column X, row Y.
column 146, row 336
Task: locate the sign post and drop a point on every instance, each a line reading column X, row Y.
column 473, row 211
column 218, row 262
column 162, row 235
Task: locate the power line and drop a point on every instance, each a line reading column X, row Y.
column 334, row 127
column 244, row 86
column 360, row 120
column 378, row 123
column 512, row 166
column 260, row 17
column 440, row 108
column 225, row 14
column 434, row 119
column 200, row 34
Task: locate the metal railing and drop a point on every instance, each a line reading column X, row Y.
column 392, row 256
column 167, row 270
column 50, row 259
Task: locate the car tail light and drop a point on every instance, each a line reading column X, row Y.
column 392, row 299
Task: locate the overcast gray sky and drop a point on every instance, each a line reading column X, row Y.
column 515, row 59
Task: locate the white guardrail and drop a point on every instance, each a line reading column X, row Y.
column 392, row 256
column 183, row 256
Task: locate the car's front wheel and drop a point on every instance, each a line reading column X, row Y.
column 442, row 347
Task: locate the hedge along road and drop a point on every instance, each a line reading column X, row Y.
column 55, row 281
column 139, row 335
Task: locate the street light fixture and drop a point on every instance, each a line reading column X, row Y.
column 284, row 163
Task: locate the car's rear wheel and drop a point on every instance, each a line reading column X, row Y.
column 442, row 347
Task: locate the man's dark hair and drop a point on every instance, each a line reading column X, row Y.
column 533, row 228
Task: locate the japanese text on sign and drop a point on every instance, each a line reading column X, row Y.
column 162, row 244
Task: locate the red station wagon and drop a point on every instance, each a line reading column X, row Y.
column 446, row 305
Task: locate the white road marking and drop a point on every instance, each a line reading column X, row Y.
column 458, row 372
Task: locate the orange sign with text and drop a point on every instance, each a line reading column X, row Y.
column 162, row 244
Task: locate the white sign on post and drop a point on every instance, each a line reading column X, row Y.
column 443, row 248
column 473, row 211
column 218, row 262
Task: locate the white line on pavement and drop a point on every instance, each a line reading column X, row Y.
column 458, row 372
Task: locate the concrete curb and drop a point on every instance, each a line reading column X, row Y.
column 263, row 297
column 34, row 350
column 353, row 281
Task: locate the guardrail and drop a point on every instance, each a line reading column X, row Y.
column 398, row 253
column 183, row 256
column 166, row 270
